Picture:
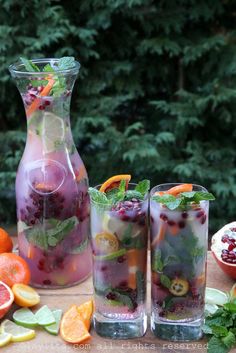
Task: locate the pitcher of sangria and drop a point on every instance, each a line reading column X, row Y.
column 51, row 183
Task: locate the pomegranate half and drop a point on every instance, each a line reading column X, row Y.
column 6, row 299
column 223, row 247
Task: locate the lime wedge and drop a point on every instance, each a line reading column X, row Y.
column 18, row 333
column 5, row 338
column 210, row 309
column 215, row 296
column 53, row 132
column 44, row 316
column 25, row 317
column 111, row 256
column 54, row 328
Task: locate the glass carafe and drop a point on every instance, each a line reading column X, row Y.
column 51, row 183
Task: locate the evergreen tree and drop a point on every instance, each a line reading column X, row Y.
column 156, row 92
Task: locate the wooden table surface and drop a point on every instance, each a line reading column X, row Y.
column 63, row 298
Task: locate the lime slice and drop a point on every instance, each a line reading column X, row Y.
column 44, row 316
column 114, row 303
column 111, row 256
column 53, row 132
column 54, row 328
column 210, row 309
column 215, row 296
column 25, row 317
column 18, row 333
column 5, row 338
column 120, row 228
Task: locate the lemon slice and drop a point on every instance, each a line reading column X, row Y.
column 215, row 296
column 44, row 316
column 54, row 328
column 53, row 132
column 5, row 338
column 25, row 317
column 18, row 333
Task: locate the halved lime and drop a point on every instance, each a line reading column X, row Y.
column 18, row 333
column 54, row 328
column 5, row 338
column 111, row 256
column 44, row 316
column 53, row 132
column 210, row 308
column 215, row 296
column 25, row 317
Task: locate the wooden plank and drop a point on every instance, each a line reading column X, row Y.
column 63, row 298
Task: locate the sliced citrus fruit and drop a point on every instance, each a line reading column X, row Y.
column 6, row 244
column 106, row 242
column 111, row 256
column 25, row 317
column 25, row 295
column 179, row 286
column 53, row 132
column 73, row 329
column 18, row 333
column 5, row 338
column 13, row 269
column 54, row 328
column 86, row 311
column 176, row 190
column 215, row 296
column 114, row 182
column 210, row 308
column 137, row 260
column 44, row 316
column 6, row 299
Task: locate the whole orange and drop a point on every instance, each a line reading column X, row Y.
column 13, row 269
column 6, row 244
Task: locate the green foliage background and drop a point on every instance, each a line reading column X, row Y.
column 155, row 96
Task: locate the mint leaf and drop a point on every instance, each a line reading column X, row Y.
column 229, row 340
column 207, row 329
column 219, row 331
column 98, row 197
column 143, row 187
column 165, row 281
column 171, row 260
column 157, row 264
column 133, row 194
column 203, row 196
column 29, row 65
column 166, row 198
column 37, row 236
column 123, row 298
column 48, row 68
column 36, row 83
column 215, row 345
column 61, row 230
column 231, row 307
column 65, row 63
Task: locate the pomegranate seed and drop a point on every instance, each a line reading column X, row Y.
column 47, row 282
column 123, row 284
column 41, row 107
column 203, row 220
column 181, row 224
column 111, row 296
column 121, row 259
column 185, row 214
column 171, row 223
column 231, row 247
column 163, row 217
column 200, row 214
column 47, row 102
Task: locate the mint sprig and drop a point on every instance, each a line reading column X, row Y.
column 183, row 199
column 220, row 328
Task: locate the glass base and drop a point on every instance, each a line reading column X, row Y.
column 177, row 331
column 122, row 329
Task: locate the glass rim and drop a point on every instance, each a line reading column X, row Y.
column 109, row 205
column 15, row 68
column 175, row 184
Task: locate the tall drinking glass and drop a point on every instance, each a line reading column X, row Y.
column 179, row 240
column 119, row 243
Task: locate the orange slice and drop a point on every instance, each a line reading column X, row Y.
column 85, row 311
column 176, row 190
column 106, row 242
column 72, row 328
column 114, row 182
column 25, row 295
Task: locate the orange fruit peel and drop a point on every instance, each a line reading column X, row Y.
column 6, row 244
column 85, row 311
column 13, row 269
column 6, row 299
column 72, row 328
column 114, row 182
